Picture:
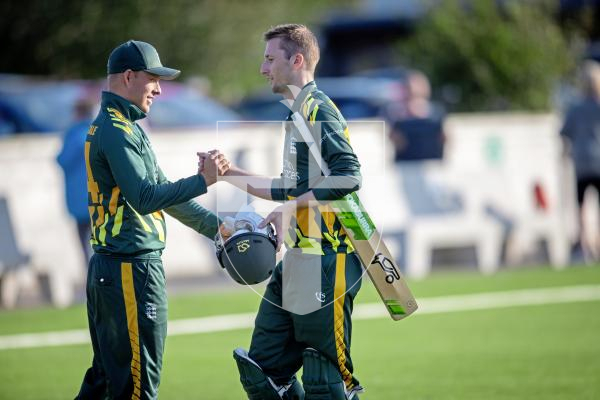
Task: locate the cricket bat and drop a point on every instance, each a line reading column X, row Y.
column 366, row 239
column 375, row 256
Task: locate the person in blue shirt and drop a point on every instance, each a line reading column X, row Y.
column 581, row 134
column 71, row 160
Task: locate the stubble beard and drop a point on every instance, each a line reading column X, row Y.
column 278, row 88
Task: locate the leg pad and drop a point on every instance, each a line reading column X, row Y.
column 259, row 386
column 321, row 379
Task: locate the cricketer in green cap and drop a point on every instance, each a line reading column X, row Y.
column 128, row 196
column 135, row 72
column 139, row 56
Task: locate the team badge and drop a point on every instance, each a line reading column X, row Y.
column 151, row 311
column 320, row 296
column 243, row 245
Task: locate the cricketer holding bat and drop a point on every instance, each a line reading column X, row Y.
column 298, row 327
column 126, row 293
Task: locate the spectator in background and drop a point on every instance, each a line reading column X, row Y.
column 417, row 127
column 581, row 131
column 71, row 160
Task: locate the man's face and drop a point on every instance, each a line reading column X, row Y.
column 143, row 87
column 277, row 67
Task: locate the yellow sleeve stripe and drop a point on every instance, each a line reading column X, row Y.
column 118, row 222
column 91, row 211
column 349, row 245
column 313, row 115
column 308, row 245
column 347, row 134
column 114, row 113
column 334, row 106
column 328, row 217
column 307, row 223
column 306, row 107
column 289, row 241
column 159, row 227
column 120, row 121
column 335, row 242
column 100, row 219
column 114, row 197
column 132, row 326
column 91, row 184
column 102, row 234
column 144, row 224
column 124, row 128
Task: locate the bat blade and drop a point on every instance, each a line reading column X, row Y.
column 375, row 257
column 386, row 276
column 365, row 238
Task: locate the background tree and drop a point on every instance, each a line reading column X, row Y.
column 220, row 40
column 489, row 55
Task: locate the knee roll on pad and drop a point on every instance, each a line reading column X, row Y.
column 321, row 379
column 253, row 379
column 259, row 386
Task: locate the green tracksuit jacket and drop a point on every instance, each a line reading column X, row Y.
column 127, row 189
column 126, row 287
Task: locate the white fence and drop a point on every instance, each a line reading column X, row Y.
column 483, row 193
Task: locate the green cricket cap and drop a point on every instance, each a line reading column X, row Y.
column 138, row 56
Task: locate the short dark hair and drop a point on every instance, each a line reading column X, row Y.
column 296, row 38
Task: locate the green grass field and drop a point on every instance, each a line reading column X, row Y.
column 549, row 351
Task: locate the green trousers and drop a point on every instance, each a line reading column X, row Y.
column 280, row 336
column 127, row 316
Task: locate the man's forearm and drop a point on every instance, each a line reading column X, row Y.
column 306, row 200
column 256, row 185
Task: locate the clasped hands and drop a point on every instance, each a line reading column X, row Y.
column 211, row 165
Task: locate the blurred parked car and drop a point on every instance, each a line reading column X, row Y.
column 356, row 97
column 396, row 72
column 180, row 106
column 34, row 105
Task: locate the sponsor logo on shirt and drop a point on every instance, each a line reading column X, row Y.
column 293, row 145
column 289, row 172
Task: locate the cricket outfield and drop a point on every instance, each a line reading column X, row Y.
column 520, row 334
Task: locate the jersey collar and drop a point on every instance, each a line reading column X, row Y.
column 301, row 98
column 127, row 108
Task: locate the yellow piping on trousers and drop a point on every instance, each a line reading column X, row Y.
column 132, row 326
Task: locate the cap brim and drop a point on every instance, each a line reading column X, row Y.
column 164, row 72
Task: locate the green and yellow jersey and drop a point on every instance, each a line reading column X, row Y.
column 317, row 230
column 127, row 191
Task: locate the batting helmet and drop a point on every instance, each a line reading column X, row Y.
column 249, row 254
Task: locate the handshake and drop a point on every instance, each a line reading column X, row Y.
column 211, row 165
